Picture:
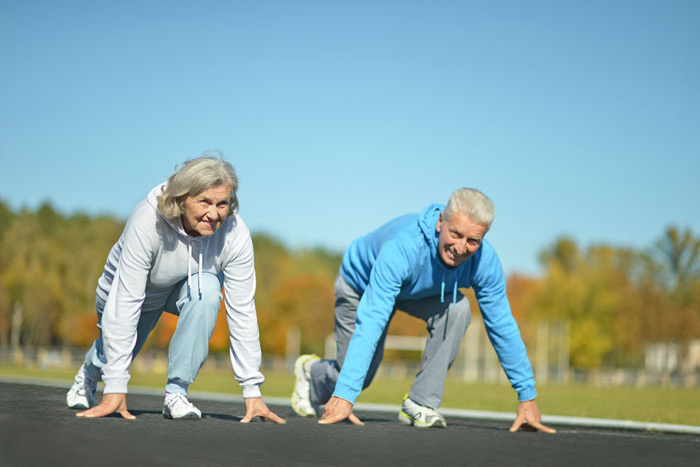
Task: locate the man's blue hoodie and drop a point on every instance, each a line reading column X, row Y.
column 400, row 261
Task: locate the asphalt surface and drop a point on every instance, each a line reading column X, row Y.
column 36, row 428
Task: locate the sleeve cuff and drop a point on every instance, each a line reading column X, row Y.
column 345, row 394
column 251, row 391
column 115, row 386
column 527, row 395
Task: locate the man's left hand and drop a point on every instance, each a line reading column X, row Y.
column 528, row 418
column 255, row 407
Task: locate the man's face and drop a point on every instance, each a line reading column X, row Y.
column 459, row 238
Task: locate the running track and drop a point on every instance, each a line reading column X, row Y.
column 36, row 429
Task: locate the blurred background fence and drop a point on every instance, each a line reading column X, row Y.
column 666, row 364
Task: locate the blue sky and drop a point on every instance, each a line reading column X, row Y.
column 576, row 118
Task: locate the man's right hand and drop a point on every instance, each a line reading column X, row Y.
column 528, row 418
column 338, row 409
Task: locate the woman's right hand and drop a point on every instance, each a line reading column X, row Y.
column 110, row 403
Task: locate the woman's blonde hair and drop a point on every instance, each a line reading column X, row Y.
column 195, row 176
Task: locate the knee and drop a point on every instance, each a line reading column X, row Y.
column 205, row 304
column 211, row 291
column 460, row 313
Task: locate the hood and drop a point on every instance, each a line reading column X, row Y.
column 427, row 221
column 175, row 223
column 179, row 230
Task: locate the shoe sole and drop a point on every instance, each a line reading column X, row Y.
column 300, row 412
column 298, row 372
column 408, row 420
column 189, row 416
column 78, row 406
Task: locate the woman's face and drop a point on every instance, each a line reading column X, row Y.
column 203, row 213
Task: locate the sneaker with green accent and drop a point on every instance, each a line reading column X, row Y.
column 419, row 415
column 301, row 397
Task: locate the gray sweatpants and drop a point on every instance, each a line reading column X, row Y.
column 446, row 324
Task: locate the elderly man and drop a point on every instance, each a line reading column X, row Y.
column 416, row 263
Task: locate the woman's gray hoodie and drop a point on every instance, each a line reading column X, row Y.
column 154, row 254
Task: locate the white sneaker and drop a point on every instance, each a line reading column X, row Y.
column 301, row 397
column 81, row 394
column 419, row 415
column 176, row 406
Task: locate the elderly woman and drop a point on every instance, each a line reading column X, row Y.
column 180, row 246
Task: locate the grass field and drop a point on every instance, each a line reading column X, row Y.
column 656, row 405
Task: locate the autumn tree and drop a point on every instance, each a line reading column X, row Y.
column 49, row 266
column 617, row 300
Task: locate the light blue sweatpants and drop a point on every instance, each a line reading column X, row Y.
column 189, row 346
column 446, row 323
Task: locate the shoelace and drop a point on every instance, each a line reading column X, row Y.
column 84, row 386
column 179, row 399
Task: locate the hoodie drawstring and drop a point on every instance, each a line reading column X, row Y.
column 442, row 290
column 189, row 269
column 454, row 293
column 189, row 272
column 199, row 274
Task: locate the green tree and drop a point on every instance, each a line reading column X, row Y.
column 49, row 265
column 679, row 253
column 581, row 288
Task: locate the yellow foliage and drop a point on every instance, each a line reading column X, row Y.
column 616, row 300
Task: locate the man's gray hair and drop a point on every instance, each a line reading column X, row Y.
column 472, row 203
column 195, row 176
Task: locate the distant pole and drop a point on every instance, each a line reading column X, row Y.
column 329, row 349
column 542, row 368
column 16, row 326
column 564, row 350
column 293, row 345
column 15, row 332
column 470, row 352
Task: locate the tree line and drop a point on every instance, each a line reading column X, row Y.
column 615, row 300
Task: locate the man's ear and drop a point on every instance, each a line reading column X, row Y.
column 439, row 223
